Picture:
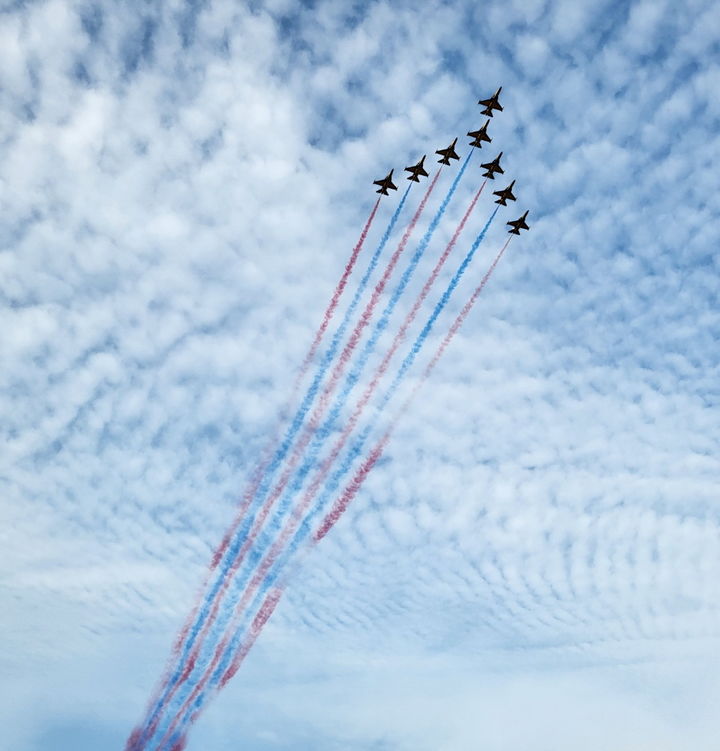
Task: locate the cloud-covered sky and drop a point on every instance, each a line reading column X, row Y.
column 536, row 560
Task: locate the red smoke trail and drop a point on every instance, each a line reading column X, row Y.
column 333, row 381
column 295, row 457
column 364, row 470
column 258, row 624
column 342, row 503
column 220, row 552
column 299, row 510
column 262, row 467
column 322, row 405
column 256, row 627
column 335, row 298
column 267, row 456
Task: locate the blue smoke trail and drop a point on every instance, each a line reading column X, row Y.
column 356, row 449
column 280, row 454
column 351, row 380
column 255, row 553
column 265, row 537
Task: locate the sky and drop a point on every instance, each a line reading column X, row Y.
column 535, row 562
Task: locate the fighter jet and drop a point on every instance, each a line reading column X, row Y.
column 479, row 136
column 505, row 195
column 518, row 224
column 385, row 184
column 493, row 167
column 416, row 171
column 448, row 153
column 491, row 104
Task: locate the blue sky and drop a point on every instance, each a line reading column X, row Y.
column 536, row 560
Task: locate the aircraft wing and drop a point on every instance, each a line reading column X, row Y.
column 491, row 104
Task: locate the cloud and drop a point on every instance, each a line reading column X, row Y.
column 181, row 186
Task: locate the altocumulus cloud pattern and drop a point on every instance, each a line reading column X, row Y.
column 182, row 186
column 241, row 591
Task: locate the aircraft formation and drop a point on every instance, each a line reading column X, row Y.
column 332, row 432
column 491, row 168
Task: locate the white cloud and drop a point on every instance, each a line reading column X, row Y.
column 173, row 229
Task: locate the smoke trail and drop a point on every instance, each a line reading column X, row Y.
column 325, row 430
column 311, row 430
column 271, row 465
column 319, row 433
column 258, row 489
column 352, row 489
column 281, row 453
column 218, row 672
column 160, row 696
column 235, row 556
column 258, row 623
column 382, row 369
column 327, row 316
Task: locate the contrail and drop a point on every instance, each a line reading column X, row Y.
column 382, row 369
column 159, row 697
column 218, row 666
column 327, row 359
column 271, row 465
column 335, row 299
column 344, row 359
column 180, row 741
column 191, row 635
column 314, row 430
column 311, row 430
column 327, row 317
column 352, row 489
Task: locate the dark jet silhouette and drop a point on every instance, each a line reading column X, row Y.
column 385, row 184
column 493, row 167
column 518, row 224
column 491, row 104
column 417, row 171
column 448, row 153
column 479, row 136
column 505, row 195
